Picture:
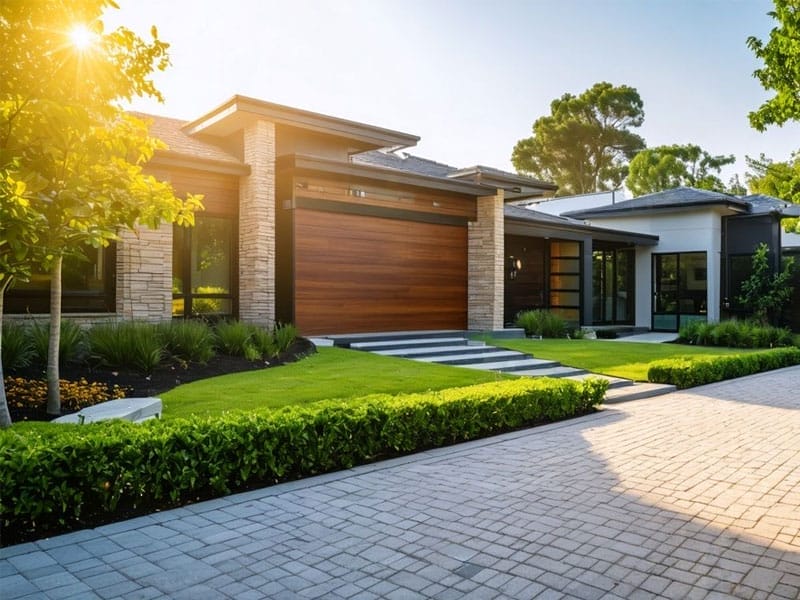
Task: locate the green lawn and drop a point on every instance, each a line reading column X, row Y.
column 619, row 359
column 331, row 373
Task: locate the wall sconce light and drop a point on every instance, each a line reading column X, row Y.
column 514, row 267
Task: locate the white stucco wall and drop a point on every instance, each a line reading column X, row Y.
column 684, row 231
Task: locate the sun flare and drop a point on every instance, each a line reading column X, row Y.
column 82, row 37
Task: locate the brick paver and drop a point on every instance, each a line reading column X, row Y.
column 689, row 495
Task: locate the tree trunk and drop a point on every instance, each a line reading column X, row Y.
column 53, row 393
column 5, row 416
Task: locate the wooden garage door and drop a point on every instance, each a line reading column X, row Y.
column 356, row 273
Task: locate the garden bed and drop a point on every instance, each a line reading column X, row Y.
column 162, row 379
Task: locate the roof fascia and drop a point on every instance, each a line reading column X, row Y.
column 314, row 164
column 593, row 214
column 239, row 110
column 611, row 235
column 167, row 158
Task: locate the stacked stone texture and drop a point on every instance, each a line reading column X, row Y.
column 486, row 257
column 257, row 226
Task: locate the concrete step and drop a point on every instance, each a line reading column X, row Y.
column 375, row 346
column 464, row 350
column 637, row 391
column 515, row 366
column 346, row 340
column 474, row 358
column 548, row 371
column 613, row 382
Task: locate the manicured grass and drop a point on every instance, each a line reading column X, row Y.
column 331, row 373
column 619, row 359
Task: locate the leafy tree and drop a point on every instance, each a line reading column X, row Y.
column 65, row 137
column 665, row 167
column 736, row 187
column 584, row 145
column 781, row 70
column 765, row 292
column 19, row 226
column 778, row 179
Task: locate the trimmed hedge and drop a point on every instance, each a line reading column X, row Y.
column 64, row 477
column 691, row 371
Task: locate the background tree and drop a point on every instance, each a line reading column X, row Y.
column 585, row 144
column 778, row 179
column 664, row 167
column 781, row 70
column 65, row 136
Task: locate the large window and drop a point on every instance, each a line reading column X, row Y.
column 87, row 283
column 680, row 289
column 203, row 268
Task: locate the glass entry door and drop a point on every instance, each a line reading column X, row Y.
column 680, row 289
column 612, row 286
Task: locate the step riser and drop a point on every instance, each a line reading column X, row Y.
column 429, row 352
column 471, row 360
column 344, row 341
column 512, row 369
column 510, row 366
column 410, row 344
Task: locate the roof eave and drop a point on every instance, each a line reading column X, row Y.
column 302, row 163
column 594, row 214
column 640, row 239
column 167, row 158
column 234, row 114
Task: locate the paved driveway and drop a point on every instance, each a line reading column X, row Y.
column 689, row 495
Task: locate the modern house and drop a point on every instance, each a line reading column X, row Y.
column 704, row 252
column 325, row 223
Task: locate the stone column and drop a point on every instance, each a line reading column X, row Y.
column 257, row 226
column 144, row 274
column 486, row 253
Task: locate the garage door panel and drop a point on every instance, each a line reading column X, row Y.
column 358, row 273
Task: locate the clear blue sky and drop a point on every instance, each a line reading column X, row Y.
column 471, row 76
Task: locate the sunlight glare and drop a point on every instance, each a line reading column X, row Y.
column 82, row 37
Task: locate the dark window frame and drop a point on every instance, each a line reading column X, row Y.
column 37, row 301
column 187, row 295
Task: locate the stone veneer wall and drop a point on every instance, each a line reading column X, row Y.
column 257, row 226
column 144, row 274
column 486, row 260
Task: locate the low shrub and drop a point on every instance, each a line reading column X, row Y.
column 78, row 475
column 18, row 349
column 188, row 340
column 284, row 334
column 71, row 345
column 235, row 338
column 697, row 332
column 542, row 322
column 685, row 372
column 75, row 395
column 128, row 344
column 735, row 334
column 263, row 341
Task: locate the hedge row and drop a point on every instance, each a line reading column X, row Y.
column 60, row 479
column 691, row 371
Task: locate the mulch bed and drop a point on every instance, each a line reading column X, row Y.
column 137, row 385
